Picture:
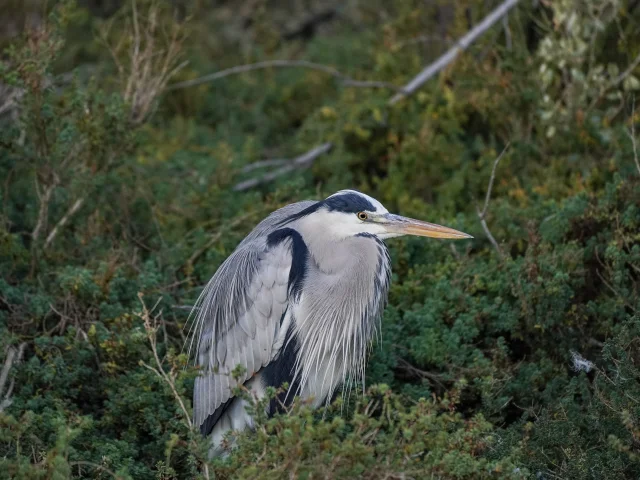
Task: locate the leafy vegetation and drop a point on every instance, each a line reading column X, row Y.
column 515, row 355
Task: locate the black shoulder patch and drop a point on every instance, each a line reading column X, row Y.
column 299, row 257
column 281, row 370
column 348, row 203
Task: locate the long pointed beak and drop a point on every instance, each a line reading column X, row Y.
column 397, row 225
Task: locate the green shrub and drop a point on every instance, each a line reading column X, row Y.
column 518, row 359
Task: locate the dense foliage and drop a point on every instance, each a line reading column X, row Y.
column 514, row 355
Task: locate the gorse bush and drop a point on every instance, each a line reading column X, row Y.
column 514, row 355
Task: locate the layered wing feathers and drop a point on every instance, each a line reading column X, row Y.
column 239, row 313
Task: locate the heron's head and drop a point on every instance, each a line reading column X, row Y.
column 349, row 213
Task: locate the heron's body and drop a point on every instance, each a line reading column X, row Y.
column 298, row 301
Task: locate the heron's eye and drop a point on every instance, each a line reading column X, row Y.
column 362, row 216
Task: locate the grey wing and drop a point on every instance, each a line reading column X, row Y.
column 239, row 315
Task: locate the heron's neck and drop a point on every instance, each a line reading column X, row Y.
column 332, row 249
column 339, row 255
column 345, row 290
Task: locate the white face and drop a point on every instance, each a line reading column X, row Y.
column 337, row 225
column 353, row 213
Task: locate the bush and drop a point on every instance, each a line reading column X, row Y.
column 514, row 355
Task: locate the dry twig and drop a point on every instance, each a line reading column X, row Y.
column 43, row 211
column 482, row 213
column 99, row 468
column 615, row 82
column 151, row 327
column 632, row 135
column 264, row 163
column 507, row 31
column 72, row 210
column 408, row 367
column 450, row 55
column 9, row 98
column 616, row 292
column 620, row 78
column 149, row 65
column 303, row 161
column 13, row 356
column 346, row 80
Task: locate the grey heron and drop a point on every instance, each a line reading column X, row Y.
column 298, row 301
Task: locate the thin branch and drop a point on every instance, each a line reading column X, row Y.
column 487, row 232
column 96, row 466
column 434, row 377
column 150, row 326
column 9, row 98
column 264, row 163
column 8, row 363
column 72, row 210
column 185, row 307
column 492, row 179
column 454, row 251
column 303, row 161
column 345, row 79
column 616, row 81
column 507, row 31
column 482, row 213
column 13, row 356
column 613, row 290
column 620, row 78
column 453, row 52
column 149, row 65
column 43, row 211
column 632, row 134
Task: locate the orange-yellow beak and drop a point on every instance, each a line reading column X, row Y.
column 397, row 225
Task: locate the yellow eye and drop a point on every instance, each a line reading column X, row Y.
column 362, row 216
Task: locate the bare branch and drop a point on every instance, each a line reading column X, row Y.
column 303, row 161
column 507, row 31
column 408, row 367
column 487, row 232
column 492, row 179
column 346, row 80
column 13, row 356
column 96, row 466
column 482, row 213
column 632, row 134
column 620, row 78
column 616, row 292
column 9, row 98
column 149, row 65
column 8, row 363
column 615, row 82
column 72, row 210
column 150, row 326
column 43, row 211
column 264, row 163
column 453, row 52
